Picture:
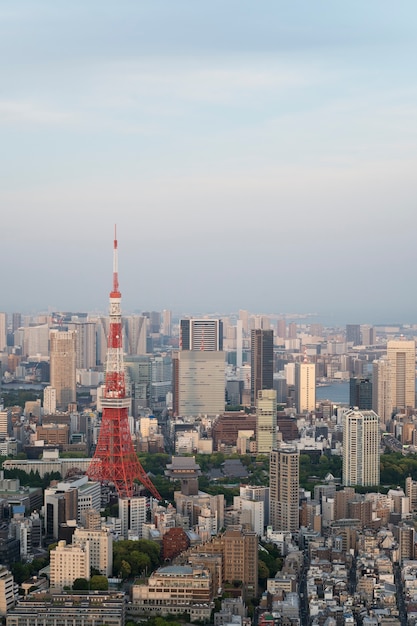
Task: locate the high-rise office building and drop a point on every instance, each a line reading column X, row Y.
column 135, row 329
column 36, row 340
column 353, row 334
column 199, row 369
column 381, row 390
column 282, row 328
column 63, row 358
column 262, row 361
column 201, row 334
column 284, row 474
column 166, row 325
column 292, row 330
column 266, row 421
column 201, row 382
column 367, row 335
column 3, row 332
column 16, row 321
column 305, row 387
column 85, row 344
column 360, row 393
column 402, row 358
column 361, row 443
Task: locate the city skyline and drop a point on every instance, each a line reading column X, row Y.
column 274, row 149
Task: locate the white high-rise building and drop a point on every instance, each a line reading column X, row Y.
column 36, row 340
column 49, row 400
column 69, row 562
column 132, row 513
column 361, row 444
column 266, row 421
column 402, row 358
column 101, row 548
column 305, row 387
column 252, row 514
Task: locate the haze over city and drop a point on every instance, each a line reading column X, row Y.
column 254, row 155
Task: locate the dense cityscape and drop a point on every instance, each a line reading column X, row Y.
column 192, row 468
column 208, row 398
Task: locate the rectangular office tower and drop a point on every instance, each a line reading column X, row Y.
column 284, row 476
column 360, row 393
column 201, row 334
column 63, row 365
column 402, row 359
column 262, row 361
column 266, row 421
column 305, row 387
column 361, row 442
column 199, row 369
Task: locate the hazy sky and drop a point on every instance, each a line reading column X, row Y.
column 258, row 155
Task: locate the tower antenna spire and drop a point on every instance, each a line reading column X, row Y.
column 115, row 265
column 115, row 460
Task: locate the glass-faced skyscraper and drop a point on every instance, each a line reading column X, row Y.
column 262, row 361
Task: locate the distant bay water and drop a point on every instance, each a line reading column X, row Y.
column 335, row 392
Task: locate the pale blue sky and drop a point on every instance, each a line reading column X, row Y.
column 257, row 155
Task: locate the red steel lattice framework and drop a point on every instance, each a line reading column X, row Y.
column 115, row 460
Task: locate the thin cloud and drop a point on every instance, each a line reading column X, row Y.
column 15, row 111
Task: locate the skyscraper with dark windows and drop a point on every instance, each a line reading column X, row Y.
column 360, row 393
column 262, row 361
column 353, row 334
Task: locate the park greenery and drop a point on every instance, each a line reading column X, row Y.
column 18, row 397
column 269, row 561
column 135, row 558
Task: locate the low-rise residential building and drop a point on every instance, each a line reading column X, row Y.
column 174, row 589
column 44, row 609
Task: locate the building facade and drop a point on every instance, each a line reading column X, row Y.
column 266, row 421
column 402, row 358
column 63, row 361
column 69, row 562
column 361, row 448
column 262, row 361
column 305, row 387
column 284, row 489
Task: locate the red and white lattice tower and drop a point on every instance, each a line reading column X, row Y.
column 115, row 460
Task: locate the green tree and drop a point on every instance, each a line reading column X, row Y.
column 125, row 570
column 263, row 571
column 99, row 583
column 80, row 584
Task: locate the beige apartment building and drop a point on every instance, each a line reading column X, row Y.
column 284, row 476
column 69, row 562
column 174, row 589
column 63, row 361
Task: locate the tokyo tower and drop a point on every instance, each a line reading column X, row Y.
column 115, row 460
